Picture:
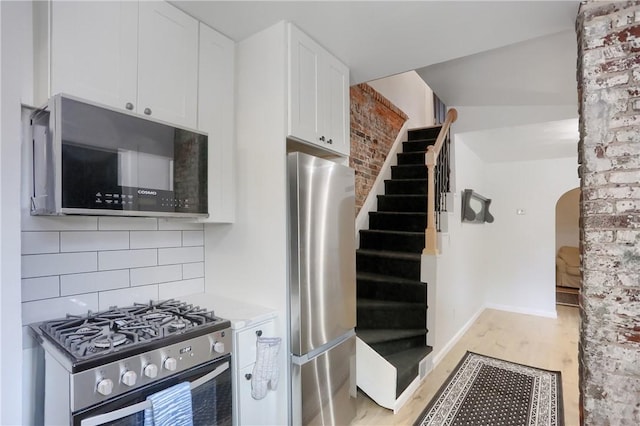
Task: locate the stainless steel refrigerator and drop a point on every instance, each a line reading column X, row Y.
column 322, row 288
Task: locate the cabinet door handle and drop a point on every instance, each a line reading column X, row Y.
column 259, row 333
column 248, row 376
column 147, row 111
column 322, row 138
column 129, row 106
column 330, row 141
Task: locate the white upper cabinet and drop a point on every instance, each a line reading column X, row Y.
column 167, row 64
column 337, row 113
column 142, row 57
column 318, row 95
column 94, row 49
column 304, row 74
column 216, row 117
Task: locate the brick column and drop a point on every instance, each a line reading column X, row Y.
column 609, row 150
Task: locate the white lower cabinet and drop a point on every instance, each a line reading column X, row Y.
column 246, row 409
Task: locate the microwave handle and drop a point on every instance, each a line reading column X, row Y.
column 111, row 416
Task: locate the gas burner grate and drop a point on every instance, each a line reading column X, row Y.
column 84, row 336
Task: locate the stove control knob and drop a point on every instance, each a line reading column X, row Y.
column 218, row 347
column 170, row 364
column 151, row 371
column 105, row 387
column 129, row 378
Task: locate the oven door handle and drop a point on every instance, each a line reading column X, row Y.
column 111, row 416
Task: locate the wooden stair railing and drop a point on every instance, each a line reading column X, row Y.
column 433, row 151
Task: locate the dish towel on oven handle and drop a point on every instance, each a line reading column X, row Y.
column 265, row 371
column 170, row 407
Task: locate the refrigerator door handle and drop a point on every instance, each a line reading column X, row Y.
column 303, row 359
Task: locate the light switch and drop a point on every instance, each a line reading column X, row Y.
column 521, row 212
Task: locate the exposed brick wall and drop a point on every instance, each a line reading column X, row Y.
column 375, row 123
column 609, row 104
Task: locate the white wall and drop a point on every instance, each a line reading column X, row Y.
column 521, row 250
column 473, row 118
column 461, row 286
column 15, row 86
column 411, row 94
column 508, row 264
column 248, row 260
column 567, row 219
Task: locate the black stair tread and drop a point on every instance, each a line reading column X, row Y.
column 386, row 278
column 407, row 180
column 390, row 254
column 423, row 140
column 378, row 335
column 409, row 358
column 410, row 165
column 391, row 232
column 403, row 213
column 403, row 196
column 410, row 153
column 377, row 304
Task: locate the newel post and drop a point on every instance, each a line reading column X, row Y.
column 431, row 236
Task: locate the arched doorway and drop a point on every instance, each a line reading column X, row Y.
column 568, row 279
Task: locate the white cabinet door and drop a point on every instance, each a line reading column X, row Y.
column 337, row 114
column 216, row 117
column 254, row 411
column 304, row 79
column 167, row 64
column 249, row 411
column 318, row 95
column 94, row 48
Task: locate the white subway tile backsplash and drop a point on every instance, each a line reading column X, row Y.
column 193, row 270
column 121, row 259
column 93, row 281
column 170, row 256
column 156, row 274
column 41, row 310
column 94, row 241
column 40, row 242
column 179, row 225
column 177, row 289
column 77, row 264
column 192, row 238
column 127, row 224
column 127, row 296
column 155, row 239
column 56, row 223
column 40, row 288
column 40, row 265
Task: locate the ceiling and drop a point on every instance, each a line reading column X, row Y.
column 503, row 54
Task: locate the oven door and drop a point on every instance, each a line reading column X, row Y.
column 210, row 393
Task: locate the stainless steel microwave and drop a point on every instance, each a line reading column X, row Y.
column 90, row 159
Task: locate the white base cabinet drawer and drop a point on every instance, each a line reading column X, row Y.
column 247, row 342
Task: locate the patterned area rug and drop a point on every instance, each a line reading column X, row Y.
column 486, row 391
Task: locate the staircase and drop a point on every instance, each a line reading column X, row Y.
column 391, row 299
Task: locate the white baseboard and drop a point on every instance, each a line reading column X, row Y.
column 521, row 310
column 452, row 342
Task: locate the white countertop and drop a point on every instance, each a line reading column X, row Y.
column 241, row 314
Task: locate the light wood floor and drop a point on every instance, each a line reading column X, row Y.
column 546, row 343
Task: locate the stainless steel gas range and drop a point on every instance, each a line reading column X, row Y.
column 101, row 367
